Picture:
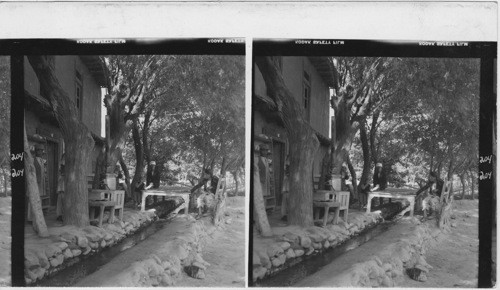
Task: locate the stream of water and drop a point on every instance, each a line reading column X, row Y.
column 309, row 265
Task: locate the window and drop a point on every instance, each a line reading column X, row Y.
column 306, row 96
column 79, row 93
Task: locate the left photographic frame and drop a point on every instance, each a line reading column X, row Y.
column 133, row 158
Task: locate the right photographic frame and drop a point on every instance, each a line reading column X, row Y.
column 372, row 164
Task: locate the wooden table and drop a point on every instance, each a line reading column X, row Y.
column 390, row 194
column 184, row 196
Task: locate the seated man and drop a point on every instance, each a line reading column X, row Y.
column 432, row 200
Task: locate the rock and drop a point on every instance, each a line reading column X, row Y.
column 291, row 238
column 229, row 221
column 52, row 250
column 387, row 282
column 94, row 245
column 42, row 258
column 387, row 267
column 421, row 267
column 31, row 261
column 285, row 246
column 153, row 268
column 31, row 275
column 166, row 265
column 92, row 234
column 76, row 252
column 326, row 244
column 54, row 262
column 309, row 251
column 67, row 254
column 453, row 224
column 290, row 254
column 377, row 259
column 298, row 252
column 165, row 280
column 86, row 250
column 416, row 274
column 317, row 246
column 108, row 236
column 282, row 258
column 259, row 273
column 354, row 229
column 276, row 262
column 199, row 265
column 265, row 261
column 68, row 238
column 305, row 241
column 154, row 281
column 62, row 245
column 195, row 272
column 82, row 241
column 256, row 259
column 274, row 250
column 332, row 238
column 40, row 273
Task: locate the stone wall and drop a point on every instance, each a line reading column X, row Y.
column 43, row 257
column 294, row 242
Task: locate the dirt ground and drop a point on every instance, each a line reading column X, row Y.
column 5, row 240
column 225, row 252
column 455, row 258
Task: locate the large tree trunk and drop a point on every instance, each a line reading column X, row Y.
column 303, row 144
column 139, row 156
column 78, row 141
column 366, row 153
column 33, row 194
column 472, row 184
column 235, row 176
column 325, row 172
column 373, row 134
column 353, row 176
column 462, row 180
column 129, row 191
column 259, row 213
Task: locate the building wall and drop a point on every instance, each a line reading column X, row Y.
column 292, row 70
column 65, row 69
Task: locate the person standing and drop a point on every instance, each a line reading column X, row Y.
column 346, row 182
column 285, row 191
column 432, row 199
column 41, row 175
column 60, row 192
column 264, row 169
column 379, row 180
column 153, row 176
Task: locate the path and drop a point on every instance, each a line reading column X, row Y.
column 225, row 252
column 454, row 259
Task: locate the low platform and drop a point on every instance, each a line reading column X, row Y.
column 184, row 196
